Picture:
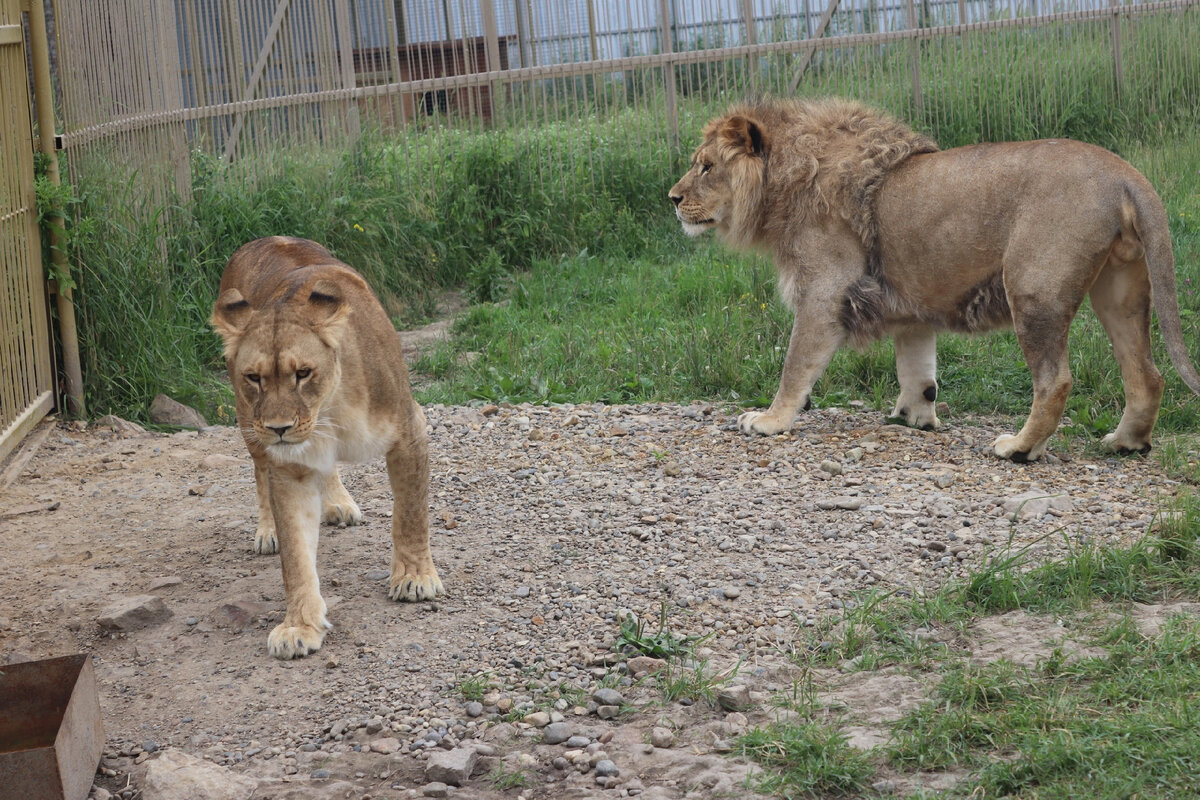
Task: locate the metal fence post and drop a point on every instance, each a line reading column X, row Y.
column 915, row 60
column 666, row 27
column 1118, row 68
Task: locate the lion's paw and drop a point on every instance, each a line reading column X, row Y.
column 265, row 540
column 342, row 513
column 1007, row 446
column 763, row 423
column 414, row 587
column 1122, row 444
column 294, row 641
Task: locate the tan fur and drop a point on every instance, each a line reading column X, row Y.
column 319, row 377
column 874, row 232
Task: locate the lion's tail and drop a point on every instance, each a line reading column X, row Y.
column 1144, row 219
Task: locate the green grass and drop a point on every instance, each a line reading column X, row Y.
column 1117, row 725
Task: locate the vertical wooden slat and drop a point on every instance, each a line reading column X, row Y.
column 666, row 28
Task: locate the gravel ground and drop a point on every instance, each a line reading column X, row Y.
column 548, row 525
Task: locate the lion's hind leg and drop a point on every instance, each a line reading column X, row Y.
column 916, row 370
column 414, row 576
column 1121, row 299
column 1042, row 328
column 337, row 506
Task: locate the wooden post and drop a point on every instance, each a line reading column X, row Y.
column 396, row 36
column 492, row 41
column 915, row 60
column 751, row 38
column 39, row 54
column 256, row 73
column 1118, row 69
column 345, row 49
column 593, row 44
column 962, row 12
column 524, row 33
column 807, row 58
column 666, row 28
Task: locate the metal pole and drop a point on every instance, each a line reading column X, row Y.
column 39, row 52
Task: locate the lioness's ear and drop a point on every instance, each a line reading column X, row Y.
column 741, row 136
column 231, row 314
column 326, row 311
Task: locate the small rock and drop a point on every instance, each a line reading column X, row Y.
column 606, row 769
column 473, row 709
column 577, row 742
column 319, row 774
column 220, row 461
column 556, row 733
column 165, row 411
column 734, row 698
column 662, row 737
column 386, row 746
column 163, row 583
column 645, row 665
column 453, row 767
column 538, row 719
column 732, row 592
column 435, row 789
column 175, row 775
column 831, row 467
column 122, row 427
column 843, row 503
column 134, row 613
column 608, row 697
column 608, row 712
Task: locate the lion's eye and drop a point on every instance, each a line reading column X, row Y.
column 301, row 374
column 254, row 378
column 704, row 168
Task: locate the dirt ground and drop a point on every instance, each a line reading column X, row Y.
column 547, row 525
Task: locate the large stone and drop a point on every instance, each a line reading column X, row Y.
column 175, row 775
column 165, row 411
column 735, row 698
column 134, row 613
column 452, row 767
column 1033, row 504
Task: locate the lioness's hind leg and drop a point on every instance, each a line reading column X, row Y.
column 337, row 506
column 916, row 369
column 414, row 576
column 1121, row 299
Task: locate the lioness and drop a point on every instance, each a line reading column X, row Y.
column 319, row 377
column 874, row 231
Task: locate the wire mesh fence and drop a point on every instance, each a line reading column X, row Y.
column 150, row 86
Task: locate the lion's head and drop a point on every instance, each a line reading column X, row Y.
column 765, row 169
column 283, row 360
column 723, row 185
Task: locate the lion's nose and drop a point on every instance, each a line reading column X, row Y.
column 676, row 199
column 279, row 430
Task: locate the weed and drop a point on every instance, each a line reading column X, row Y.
column 503, row 778
column 634, row 636
column 805, row 760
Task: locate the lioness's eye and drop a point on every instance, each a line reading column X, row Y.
column 301, row 374
column 253, row 378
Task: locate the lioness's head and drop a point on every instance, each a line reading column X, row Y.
column 723, row 187
column 283, row 359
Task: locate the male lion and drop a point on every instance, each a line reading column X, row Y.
column 875, row 232
column 319, row 377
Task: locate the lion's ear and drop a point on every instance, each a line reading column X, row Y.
column 231, row 314
column 742, row 136
column 326, row 310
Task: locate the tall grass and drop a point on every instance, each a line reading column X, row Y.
column 567, row 224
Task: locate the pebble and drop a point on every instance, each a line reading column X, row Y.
column 662, row 737
column 606, row 769
column 608, row 697
column 557, row 733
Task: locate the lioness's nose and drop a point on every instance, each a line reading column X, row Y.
column 279, row 430
column 676, row 198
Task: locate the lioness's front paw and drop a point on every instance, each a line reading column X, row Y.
column 415, row 586
column 1008, row 446
column 342, row 513
column 294, row 641
column 265, row 541
column 763, row 422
